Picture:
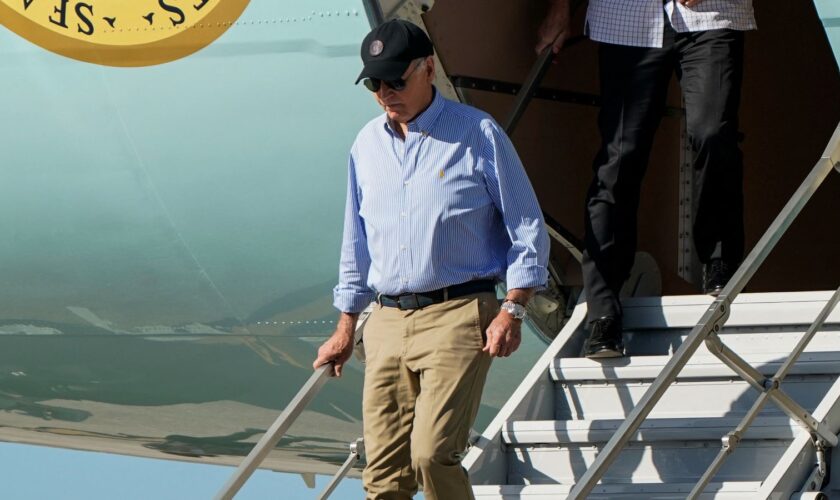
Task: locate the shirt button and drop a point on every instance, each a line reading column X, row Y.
column 402, row 247
column 402, row 214
column 406, row 183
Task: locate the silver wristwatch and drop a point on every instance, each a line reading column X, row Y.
column 518, row 311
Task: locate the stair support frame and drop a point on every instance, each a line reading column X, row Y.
column 817, row 477
column 771, row 390
column 730, row 443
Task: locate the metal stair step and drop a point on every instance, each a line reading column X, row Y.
column 757, row 323
column 610, row 388
column 743, row 339
column 788, row 308
column 556, row 432
column 701, row 366
column 675, row 461
column 723, row 491
column 697, row 398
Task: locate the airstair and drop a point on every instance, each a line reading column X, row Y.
column 568, row 407
column 733, row 397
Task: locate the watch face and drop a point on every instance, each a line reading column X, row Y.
column 514, row 309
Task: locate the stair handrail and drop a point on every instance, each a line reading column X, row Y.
column 274, row 433
column 272, row 436
column 713, row 319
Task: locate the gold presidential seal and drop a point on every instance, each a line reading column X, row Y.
column 121, row 32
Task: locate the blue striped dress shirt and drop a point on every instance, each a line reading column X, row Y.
column 449, row 204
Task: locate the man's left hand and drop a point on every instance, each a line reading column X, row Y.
column 690, row 3
column 503, row 335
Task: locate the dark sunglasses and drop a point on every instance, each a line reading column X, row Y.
column 374, row 84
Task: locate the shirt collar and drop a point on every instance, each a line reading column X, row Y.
column 425, row 120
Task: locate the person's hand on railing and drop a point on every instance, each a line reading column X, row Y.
column 555, row 27
column 338, row 348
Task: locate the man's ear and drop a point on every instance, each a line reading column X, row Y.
column 430, row 69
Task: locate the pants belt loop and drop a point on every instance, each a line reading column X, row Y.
column 446, row 294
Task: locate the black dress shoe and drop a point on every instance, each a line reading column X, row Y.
column 605, row 338
column 715, row 276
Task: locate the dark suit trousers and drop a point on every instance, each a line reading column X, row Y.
column 634, row 83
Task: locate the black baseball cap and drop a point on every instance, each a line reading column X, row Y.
column 390, row 47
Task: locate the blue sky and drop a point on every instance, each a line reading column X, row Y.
column 35, row 472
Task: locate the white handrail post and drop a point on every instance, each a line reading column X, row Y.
column 357, row 449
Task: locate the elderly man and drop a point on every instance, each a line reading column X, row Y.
column 438, row 210
column 642, row 43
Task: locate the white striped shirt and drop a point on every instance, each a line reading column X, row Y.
column 641, row 23
column 449, row 204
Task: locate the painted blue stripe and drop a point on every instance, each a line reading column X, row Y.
column 449, row 204
column 831, row 22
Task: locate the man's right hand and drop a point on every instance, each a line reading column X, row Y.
column 555, row 27
column 338, row 348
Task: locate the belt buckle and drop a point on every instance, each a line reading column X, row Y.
column 407, row 308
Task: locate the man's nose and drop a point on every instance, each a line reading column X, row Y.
column 384, row 90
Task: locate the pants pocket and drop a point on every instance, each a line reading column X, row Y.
column 486, row 306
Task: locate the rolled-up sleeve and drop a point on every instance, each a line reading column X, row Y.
column 352, row 294
column 514, row 197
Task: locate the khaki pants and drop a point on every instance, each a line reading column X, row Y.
column 423, row 380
